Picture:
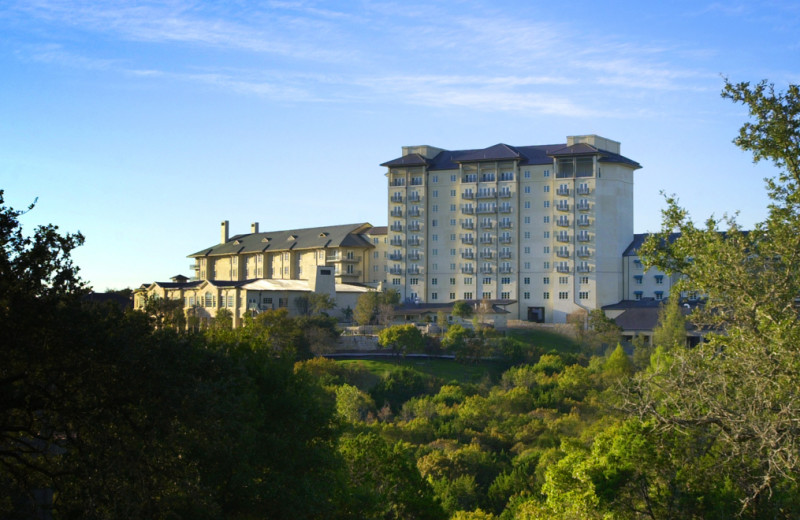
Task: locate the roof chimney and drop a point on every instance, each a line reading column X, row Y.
column 254, row 227
column 224, row 232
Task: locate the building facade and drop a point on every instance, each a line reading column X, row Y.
column 541, row 228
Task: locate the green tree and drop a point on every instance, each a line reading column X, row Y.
column 741, row 386
column 401, row 339
column 670, row 332
column 462, row 310
column 366, row 309
column 223, row 319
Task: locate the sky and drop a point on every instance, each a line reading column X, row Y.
column 145, row 124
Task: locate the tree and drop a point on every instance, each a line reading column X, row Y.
column 741, row 386
column 223, row 319
column 314, row 303
column 462, row 310
column 401, row 339
column 671, row 329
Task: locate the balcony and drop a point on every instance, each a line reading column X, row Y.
column 486, row 269
column 397, row 182
column 413, row 227
column 194, row 267
column 467, row 240
column 488, row 194
column 414, row 242
column 414, row 212
column 505, row 193
column 395, row 270
column 505, row 269
column 413, row 256
column 396, row 257
column 563, row 222
column 562, row 253
column 467, row 225
column 582, row 206
column 505, row 224
column 351, row 259
column 505, row 209
column 562, row 238
column 469, row 210
column 583, row 190
column 487, row 240
column 396, row 227
column 562, row 206
column 414, row 197
column 563, row 268
column 562, row 191
column 396, row 241
column 396, row 198
column 583, row 222
column 583, row 237
column 487, row 209
column 468, row 195
column 396, row 212
column 467, row 255
column 584, row 269
column 504, row 240
column 350, row 273
column 505, row 254
column 487, row 255
column 487, row 225
column 467, row 269
column 583, row 253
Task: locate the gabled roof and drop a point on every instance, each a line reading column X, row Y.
column 177, row 285
column 639, row 239
column 347, row 235
column 524, row 155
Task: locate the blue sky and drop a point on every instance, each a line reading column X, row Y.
column 144, row 124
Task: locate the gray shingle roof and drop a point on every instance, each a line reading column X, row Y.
column 526, row 155
column 347, row 235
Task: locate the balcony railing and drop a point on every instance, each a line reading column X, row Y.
column 487, row 240
column 563, row 253
column 396, row 212
column 487, row 194
column 584, row 237
column 414, row 242
column 351, row 259
column 396, row 227
column 486, row 254
column 562, row 238
column 413, row 256
column 562, row 207
column 583, row 190
column 413, row 198
column 486, row 269
column 504, row 224
column 505, row 193
column 582, row 206
column 467, row 195
column 396, row 241
column 467, row 240
column 505, row 269
column 467, row 269
column 467, row 225
column 396, row 257
column 395, row 270
column 562, row 191
column 194, row 267
column 413, row 227
column 413, row 212
column 350, row 273
column 469, row 210
column 489, row 209
column 583, row 222
column 583, row 253
column 562, row 268
column 505, row 254
column 487, row 225
column 563, row 222
column 584, row 268
column 505, row 209
column 397, row 198
column 504, row 240
column 469, row 255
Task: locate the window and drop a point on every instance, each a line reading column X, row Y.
column 434, row 281
column 638, row 279
column 547, row 265
column 505, row 280
column 527, row 234
column 452, row 281
column 547, row 173
column 435, row 193
column 546, row 188
column 452, row 296
column 659, row 279
column 267, row 300
column 434, row 296
column 563, row 279
column 434, row 238
column 526, row 295
column 434, row 222
column 468, row 280
column 452, row 193
column 584, row 280
column 527, row 189
column 527, row 174
column 395, row 281
column 637, row 263
column 546, row 296
column 546, row 280
column 637, row 295
column 527, row 265
column 526, row 280
column 546, row 250
column 659, row 295
column 547, row 219
column 487, row 281
column 453, row 178
column 434, row 251
column 527, row 204
column 452, row 222
column 435, row 178
column 527, row 250
column 563, row 295
column 505, row 295
column 435, row 208
column 452, row 252
column 413, row 281
column 283, row 302
column 583, row 295
column 506, row 176
column 547, row 204
column 527, row 220
column 467, row 295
